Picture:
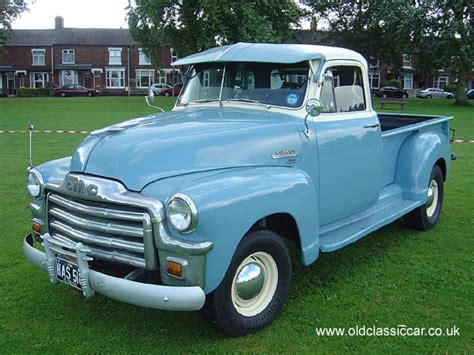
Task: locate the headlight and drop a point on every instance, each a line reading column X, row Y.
column 182, row 213
column 35, row 183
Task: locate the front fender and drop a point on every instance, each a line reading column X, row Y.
column 416, row 158
column 230, row 202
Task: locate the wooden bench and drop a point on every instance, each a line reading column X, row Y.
column 392, row 100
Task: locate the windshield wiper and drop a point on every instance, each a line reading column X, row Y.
column 249, row 101
column 200, row 101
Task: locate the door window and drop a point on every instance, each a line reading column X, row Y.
column 345, row 93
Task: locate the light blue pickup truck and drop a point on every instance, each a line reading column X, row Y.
column 193, row 209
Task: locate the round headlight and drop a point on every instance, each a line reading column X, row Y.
column 182, row 213
column 34, row 183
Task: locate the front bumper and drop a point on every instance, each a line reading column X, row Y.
column 177, row 298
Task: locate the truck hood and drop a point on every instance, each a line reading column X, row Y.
column 144, row 150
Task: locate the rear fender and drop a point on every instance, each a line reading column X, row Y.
column 417, row 156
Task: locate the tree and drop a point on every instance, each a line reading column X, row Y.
column 439, row 30
column 193, row 25
column 9, row 11
column 450, row 38
column 375, row 28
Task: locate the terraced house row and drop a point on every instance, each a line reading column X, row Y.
column 103, row 59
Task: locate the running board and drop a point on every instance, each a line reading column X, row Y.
column 385, row 212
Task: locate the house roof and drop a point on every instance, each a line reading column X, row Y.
column 70, row 36
column 267, row 52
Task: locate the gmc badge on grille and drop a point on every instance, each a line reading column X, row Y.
column 73, row 184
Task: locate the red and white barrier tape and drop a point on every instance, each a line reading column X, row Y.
column 47, row 131
column 88, row 132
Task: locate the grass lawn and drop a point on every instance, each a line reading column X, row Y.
column 393, row 277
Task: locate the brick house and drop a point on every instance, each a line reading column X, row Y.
column 105, row 59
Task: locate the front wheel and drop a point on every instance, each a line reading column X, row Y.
column 255, row 286
column 426, row 216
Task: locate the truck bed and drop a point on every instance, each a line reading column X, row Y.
column 396, row 127
column 389, row 121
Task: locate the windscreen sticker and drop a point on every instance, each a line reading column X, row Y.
column 292, row 99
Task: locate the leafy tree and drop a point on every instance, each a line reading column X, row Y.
column 9, row 11
column 450, row 38
column 440, row 31
column 193, row 25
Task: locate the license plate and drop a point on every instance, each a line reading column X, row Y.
column 68, row 273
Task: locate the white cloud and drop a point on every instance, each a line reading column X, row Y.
column 76, row 13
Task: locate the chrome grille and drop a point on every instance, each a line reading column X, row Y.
column 111, row 232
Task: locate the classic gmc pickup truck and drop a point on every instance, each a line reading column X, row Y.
column 192, row 209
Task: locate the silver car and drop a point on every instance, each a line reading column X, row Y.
column 157, row 88
column 435, row 93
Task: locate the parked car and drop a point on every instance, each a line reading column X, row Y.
column 391, row 91
column 75, row 90
column 194, row 208
column 157, row 88
column 470, row 94
column 172, row 91
column 435, row 93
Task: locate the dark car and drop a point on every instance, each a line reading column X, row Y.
column 172, row 91
column 75, row 90
column 391, row 91
column 470, row 94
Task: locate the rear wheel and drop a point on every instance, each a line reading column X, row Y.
column 90, row 94
column 426, row 216
column 450, row 97
column 429, row 96
column 255, row 286
column 167, row 93
column 63, row 94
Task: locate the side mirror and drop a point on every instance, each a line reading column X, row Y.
column 150, row 98
column 314, row 107
column 328, row 76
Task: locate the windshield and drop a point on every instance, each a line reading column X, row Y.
column 265, row 83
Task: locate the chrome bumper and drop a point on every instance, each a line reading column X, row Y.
column 177, row 298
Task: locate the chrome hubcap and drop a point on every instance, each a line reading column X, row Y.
column 250, row 281
column 432, row 200
column 254, row 284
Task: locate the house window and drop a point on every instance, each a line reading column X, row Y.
column 374, row 80
column 68, row 77
column 21, row 81
column 407, row 81
column 115, row 56
column 407, row 61
column 115, row 78
column 374, row 63
column 38, row 80
column 143, row 59
column 441, row 81
column 69, row 56
column 38, row 56
column 174, row 55
column 145, row 78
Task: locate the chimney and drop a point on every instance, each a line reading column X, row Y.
column 58, row 23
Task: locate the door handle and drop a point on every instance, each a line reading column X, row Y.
column 374, row 125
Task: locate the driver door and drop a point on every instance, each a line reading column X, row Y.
column 350, row 145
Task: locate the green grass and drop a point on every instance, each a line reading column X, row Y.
column 394, row 276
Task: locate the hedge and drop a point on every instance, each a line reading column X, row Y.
column 27, row 92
